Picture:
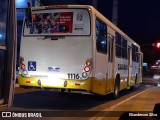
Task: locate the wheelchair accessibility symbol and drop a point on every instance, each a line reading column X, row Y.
column 31, row 65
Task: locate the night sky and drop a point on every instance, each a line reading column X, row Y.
column 139, row 19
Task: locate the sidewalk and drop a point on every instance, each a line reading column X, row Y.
column 141, row 103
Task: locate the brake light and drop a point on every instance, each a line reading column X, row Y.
column 28, row 82
column 77, row 84
column 23, row 67
column 86, row 68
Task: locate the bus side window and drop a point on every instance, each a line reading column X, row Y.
column 118, row 45
column 101, row 37
column 124, row 48
column 134, row 55
column 28, row 16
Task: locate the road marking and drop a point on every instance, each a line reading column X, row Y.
column 114, row 106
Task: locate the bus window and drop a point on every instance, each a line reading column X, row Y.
column 3, row 22
column 118, row 45
column 3, row 18
column 134, row 53
column 124, row 48
column 28, row 15
column 101, row 37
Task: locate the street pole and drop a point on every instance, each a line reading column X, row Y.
column 94, row 3
column 115, row 12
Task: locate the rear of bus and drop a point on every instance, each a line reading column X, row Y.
column 56, row 49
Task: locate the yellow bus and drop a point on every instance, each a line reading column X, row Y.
column 75, row 48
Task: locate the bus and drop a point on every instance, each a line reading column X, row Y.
column 75, row 48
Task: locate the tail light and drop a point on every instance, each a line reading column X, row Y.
column 23, row 70
column 87, row 68
column 88, row 63
column 22, row 66
column 21, row 60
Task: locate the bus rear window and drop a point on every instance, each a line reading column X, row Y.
column 59, row 22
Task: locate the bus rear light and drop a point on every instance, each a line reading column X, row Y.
column 88, row 63
column 87, row 69
column 28, row 81
column 23, row 67
column 77, row 84
column 21, row 60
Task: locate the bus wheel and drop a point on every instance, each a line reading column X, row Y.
column 116, row 87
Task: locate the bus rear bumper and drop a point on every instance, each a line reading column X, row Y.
column 57, row 84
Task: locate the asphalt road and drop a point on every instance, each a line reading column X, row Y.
column 72, row 105
column 51, row 100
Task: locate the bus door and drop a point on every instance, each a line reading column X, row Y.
column 110, row 62
column 101, row 56
column 129, row 65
